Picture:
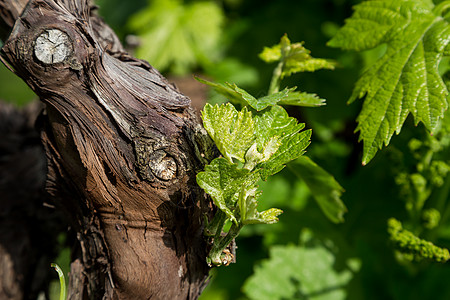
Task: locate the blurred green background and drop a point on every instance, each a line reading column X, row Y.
column 304, row 256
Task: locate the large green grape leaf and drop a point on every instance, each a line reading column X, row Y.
column 295, row 272
column 405, row 79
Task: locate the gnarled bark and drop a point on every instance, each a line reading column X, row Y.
column 123, row 147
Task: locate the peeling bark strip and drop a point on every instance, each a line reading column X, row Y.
column 122, row 156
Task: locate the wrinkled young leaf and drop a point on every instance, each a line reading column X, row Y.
column 295, row 58
column 224, row 181
column 232, row 131
column 178, row 36
column 324, row 188
column 291, row 148
column 278, row 136
column 405, row 79
column 295, row 272
column 276, row 123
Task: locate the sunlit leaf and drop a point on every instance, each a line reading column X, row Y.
column 248, row 209
column 294, row 57
column 275, row 123
column 239, row 96
column 405, row 79
column 232, row 131
column 302, row 99
column 223, row 181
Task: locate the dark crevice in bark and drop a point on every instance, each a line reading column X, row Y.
column 9, row 13
column 28, row 224
column 123, row 147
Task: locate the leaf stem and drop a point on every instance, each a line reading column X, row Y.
column 216, row 225
column 276, row 78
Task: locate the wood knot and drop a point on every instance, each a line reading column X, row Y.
column 53, row 46
column 155, row 161
column 162, row 165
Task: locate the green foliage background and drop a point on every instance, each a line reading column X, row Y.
column 305, row 256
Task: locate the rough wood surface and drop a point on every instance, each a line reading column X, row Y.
column 122, row 152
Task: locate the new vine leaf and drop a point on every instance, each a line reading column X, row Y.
column 256, row 143
column 254, row 146
column 237, row 95
column 291, row 58
column 405, row 79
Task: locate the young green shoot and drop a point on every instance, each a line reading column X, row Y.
column 62, row 282
column 255, row 143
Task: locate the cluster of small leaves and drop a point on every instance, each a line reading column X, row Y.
column 256, row 143
column 295, row 58
column 405, row 79
column 291, row 58
column 413, row 247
